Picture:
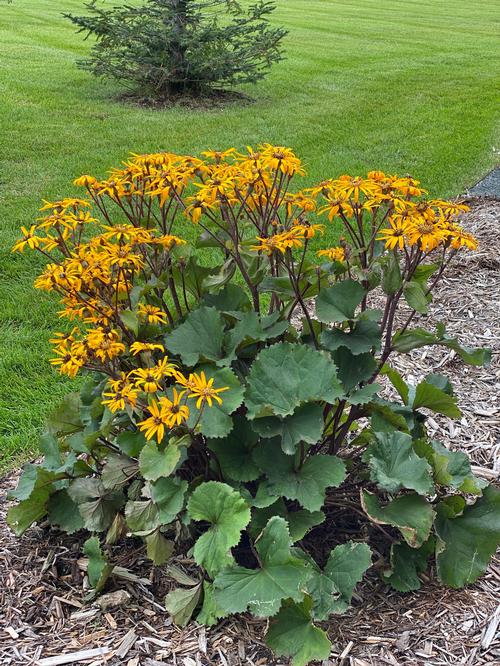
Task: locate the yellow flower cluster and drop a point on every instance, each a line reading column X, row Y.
column 117, row 265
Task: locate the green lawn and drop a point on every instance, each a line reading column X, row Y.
column 393, row 84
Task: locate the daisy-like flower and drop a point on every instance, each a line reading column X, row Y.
column 279, row 242
column 426, row 233
column 155, row 425
column 336, row 207
column 139, row 347
column 152, row 314
column 29, row 239
column 333, row 253
column 460, row 238
column 201, row 388
column 165, row 414
column 146, row 379
column 106, row 345
column 125, row 396
column 394, row 235
column 218, row 155
column 279, row 158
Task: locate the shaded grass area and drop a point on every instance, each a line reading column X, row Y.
column 392, row 84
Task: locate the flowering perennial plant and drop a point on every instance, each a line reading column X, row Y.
column 231, row 401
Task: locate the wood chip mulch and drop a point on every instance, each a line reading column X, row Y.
column 44, row 620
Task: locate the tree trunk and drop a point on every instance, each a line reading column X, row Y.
column 178, row 77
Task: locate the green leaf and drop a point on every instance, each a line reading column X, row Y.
column 339, row 302
column 131, row 320
column 430, row 396
column 345, row 568
column 451, row 468
column 466, row 542
column 168, row 495
column 307, row 485
column 131, row 442
column 209, row 613
column 364, row 337
column 406, row 341
column 406, row 564
column 98, row 568
column 394, row 464
column 234, row 452
column 391, row 274
column 215, row 420
column 223, row 507
column 364, row 394
column 397, row 381
column 279, row 576
column 411, row 513
column 415, row 296
column 33, row 491
column 64, row 513
column 97, row 505
column 251, row 328
column 304, row 425
column 302, row 521
column 286, row 375
column 292, row 634
column 332, row 589
column 65, row 419
column 51, row 451
column 181, row 603
column 353, row 369
column 118, row 470
column 199, row 337
column 231, row 298
column 155, row 462
column 158, row 549
column 142, row 516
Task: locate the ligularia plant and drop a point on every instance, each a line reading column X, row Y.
column 231, row 408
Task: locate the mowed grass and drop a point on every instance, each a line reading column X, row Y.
column 398, row 85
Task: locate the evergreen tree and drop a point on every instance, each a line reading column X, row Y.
column 165, row 47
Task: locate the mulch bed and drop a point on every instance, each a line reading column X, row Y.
column 43, row 614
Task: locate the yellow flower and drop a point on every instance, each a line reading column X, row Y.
column 307, row 230
column 168, row 241
column 118, row 399
column 105, row 344
column 176, row 413
column 165, row 413
column 279, row 158
column 351, row 188
column 85, row 181
column 426, row 233
column 127, row 232
column 218, row 155
column 333, row 253
column 450, row 208
column 64, row 204
column 196, row 208
column 156, row 423
column 460, row 238
column 146, row 379
column 139, row 347
column 123, row 256
column 152, row 314
column 202, row 389
column 336, row 207
column 29, row 239
column 307, row 204
column 279, row 242
column 394, row 235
